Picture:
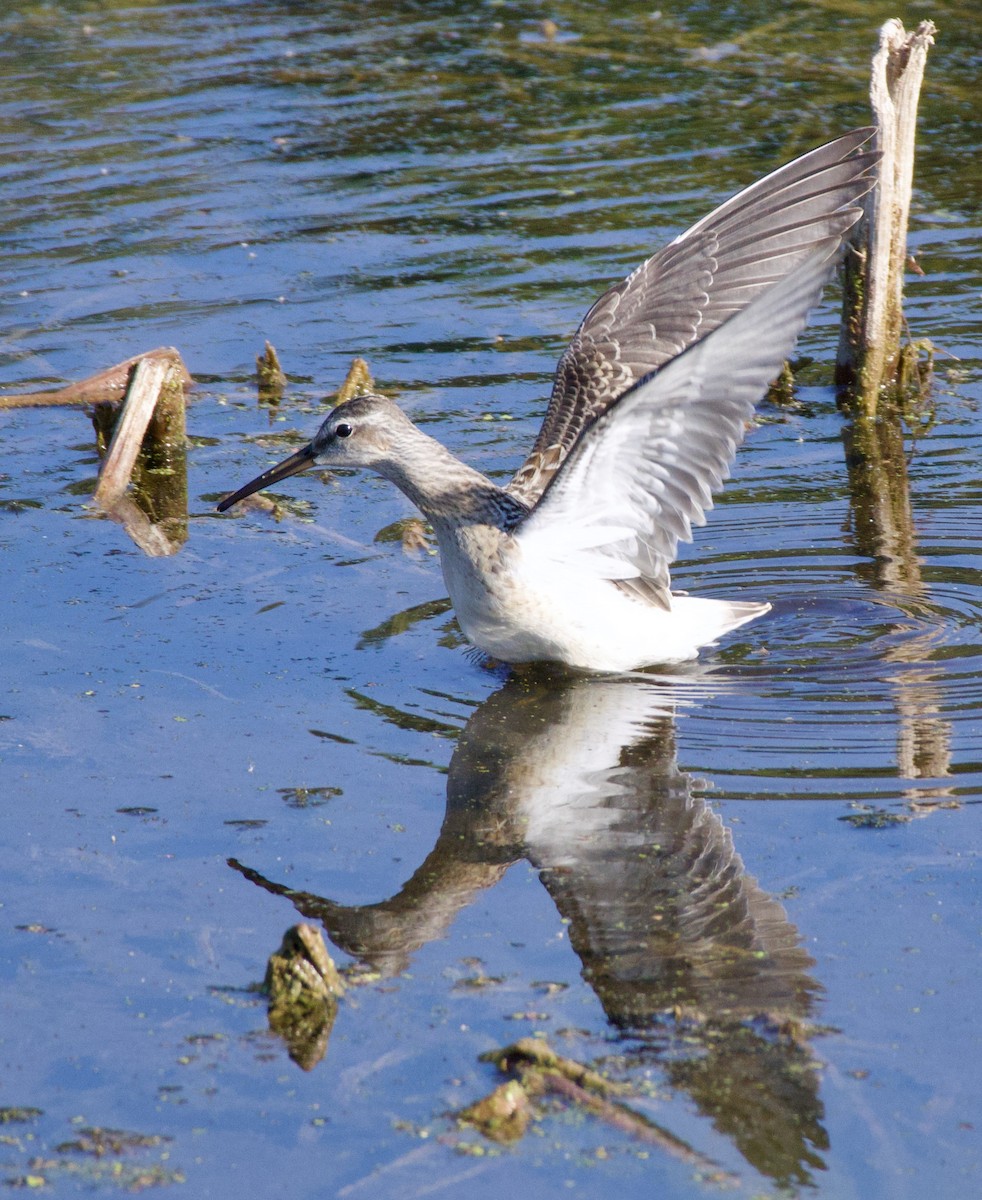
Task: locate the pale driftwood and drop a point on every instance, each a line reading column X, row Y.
column 153, row 539
column 107, row 386
column 872, row 325
column 149, row 437
column 141, row 400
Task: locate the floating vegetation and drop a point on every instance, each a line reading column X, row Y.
column 876, row 818
column 16, row 1115
column 308, row 797
column 95, row 1157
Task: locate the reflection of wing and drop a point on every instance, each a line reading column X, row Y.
column 691, row 287
column 644, row 472
column 662, row 912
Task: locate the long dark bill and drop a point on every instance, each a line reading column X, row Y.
column 289, row 466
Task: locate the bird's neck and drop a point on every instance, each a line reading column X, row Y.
column 446, row 490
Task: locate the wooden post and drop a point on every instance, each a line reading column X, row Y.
column 149, row 439
column 870, row 355
column 270, row 376
column 141, row 400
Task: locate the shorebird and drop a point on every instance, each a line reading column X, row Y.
column 570, row 561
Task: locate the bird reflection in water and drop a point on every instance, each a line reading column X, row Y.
column 698, row 968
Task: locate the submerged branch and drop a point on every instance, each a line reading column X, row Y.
column 538, row 1070
column 104, row 387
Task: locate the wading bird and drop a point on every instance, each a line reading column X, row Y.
column 570, row 561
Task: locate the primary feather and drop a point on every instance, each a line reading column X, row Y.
column 643, row 472
column 688, row 289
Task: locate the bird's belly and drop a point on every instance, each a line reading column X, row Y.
column 520, row 611
column 583, row 622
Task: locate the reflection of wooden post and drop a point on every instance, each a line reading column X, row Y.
column 872, row 319
column 883, row 525
column 880, row 493
column 923, row 736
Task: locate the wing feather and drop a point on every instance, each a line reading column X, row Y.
column 644, row 471
column 692, row 286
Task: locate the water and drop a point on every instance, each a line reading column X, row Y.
column 748, row 889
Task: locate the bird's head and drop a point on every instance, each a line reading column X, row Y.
column 358, row 433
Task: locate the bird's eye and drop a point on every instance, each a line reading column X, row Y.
column 342, row 430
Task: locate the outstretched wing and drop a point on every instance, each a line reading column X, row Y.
column 692, row 286
column 643, row 472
